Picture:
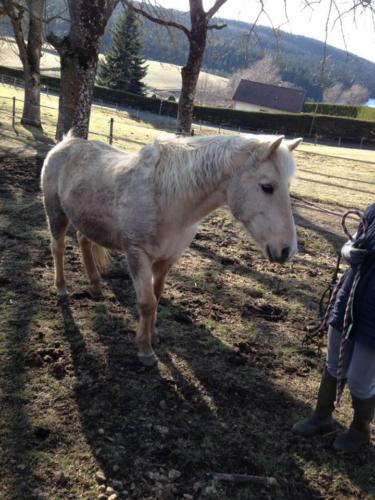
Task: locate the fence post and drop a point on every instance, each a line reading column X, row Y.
column 361, row 145
column 339, row 142
column 14, row 113
column 111, row 130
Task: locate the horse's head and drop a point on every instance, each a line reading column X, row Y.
column 258, row 194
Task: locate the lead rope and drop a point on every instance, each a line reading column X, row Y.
column 323, row 327
column 348, row 316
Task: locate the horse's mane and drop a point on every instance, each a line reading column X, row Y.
column 187, row 164
column 183, row 166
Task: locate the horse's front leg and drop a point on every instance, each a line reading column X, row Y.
column 159, row 270
column 140, row 269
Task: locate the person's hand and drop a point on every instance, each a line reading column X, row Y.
column 352, row 254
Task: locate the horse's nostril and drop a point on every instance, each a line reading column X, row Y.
column 285, row 253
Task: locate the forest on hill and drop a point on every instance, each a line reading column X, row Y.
column 232, row 48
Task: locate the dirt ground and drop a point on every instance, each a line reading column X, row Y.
column 81, row 419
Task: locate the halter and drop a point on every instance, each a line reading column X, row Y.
column 359, row 241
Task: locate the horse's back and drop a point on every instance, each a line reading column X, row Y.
column 85, row 180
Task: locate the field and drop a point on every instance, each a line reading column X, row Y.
column 80, row 419
column 161, row 77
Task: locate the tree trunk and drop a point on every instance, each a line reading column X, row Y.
column 190, row 72
column 31, row 104
column 76, row 93
column 31, row 65
column 29, row 53
column 79, row 52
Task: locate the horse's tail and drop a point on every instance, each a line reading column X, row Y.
column 102, row 257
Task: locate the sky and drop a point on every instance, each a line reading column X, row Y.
column 359, row 33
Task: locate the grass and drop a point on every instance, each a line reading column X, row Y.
column 163, row 77
column 230, row 382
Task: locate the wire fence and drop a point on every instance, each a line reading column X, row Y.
column 109, row 125
column 108, row 122
column 112, row 124
column 112, row 129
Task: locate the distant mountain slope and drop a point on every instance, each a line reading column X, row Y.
column 230, row 49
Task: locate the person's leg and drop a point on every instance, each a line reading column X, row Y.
column 320, row 419
column 361, row 382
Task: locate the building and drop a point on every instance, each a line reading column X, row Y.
column 255, row 96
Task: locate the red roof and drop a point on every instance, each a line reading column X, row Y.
column 270, row 96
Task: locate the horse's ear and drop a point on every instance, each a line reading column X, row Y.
column 293, row 144
column 267, row 148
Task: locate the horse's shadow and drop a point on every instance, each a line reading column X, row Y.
column 207, row 407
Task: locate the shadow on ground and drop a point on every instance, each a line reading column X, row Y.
column 214, row 404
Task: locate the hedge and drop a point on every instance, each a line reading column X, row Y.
column 304, row 124
column 360, row 112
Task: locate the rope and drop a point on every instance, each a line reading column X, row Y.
column 359, row 241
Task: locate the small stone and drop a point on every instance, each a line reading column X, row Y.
column 113, row 497
column 163, row 404
column 187, row 496
column 174, row 474
column 100, row 477
column 101, row 431
column 102, row 496
column 61, row 479
column 210, row 490
column 115, row 468
column 109, row 490
column 198, row 485
column 102, row 488
column 162, row 429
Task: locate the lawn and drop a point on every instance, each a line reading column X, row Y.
column 161, row 77
column 81, row 419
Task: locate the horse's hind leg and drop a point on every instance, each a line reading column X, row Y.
column 141, row 272
column 58, row 223
column 160, row 270
column 90, row 266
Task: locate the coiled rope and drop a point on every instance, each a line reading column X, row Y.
column 359, row 241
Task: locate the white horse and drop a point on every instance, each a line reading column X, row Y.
column 149, row 204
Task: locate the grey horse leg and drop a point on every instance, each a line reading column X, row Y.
column 141, row 271
column 90, row 266
column 58, row 224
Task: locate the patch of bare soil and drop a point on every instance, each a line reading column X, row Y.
column 80, row 418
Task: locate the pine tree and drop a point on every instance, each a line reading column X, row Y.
column 123, row 68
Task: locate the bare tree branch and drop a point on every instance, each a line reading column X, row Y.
column 211, row 12
column 154, row 19
column 216, row 26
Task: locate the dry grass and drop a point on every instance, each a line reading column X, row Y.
column 232, row 377
column 160, row 76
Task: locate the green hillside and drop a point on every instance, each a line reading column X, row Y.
column 230, row 49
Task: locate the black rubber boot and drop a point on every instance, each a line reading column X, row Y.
column 359, row 432
column 320, row 420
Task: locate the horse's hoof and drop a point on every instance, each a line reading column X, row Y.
column 62, row 295
column 148, row 361
column 95, row 294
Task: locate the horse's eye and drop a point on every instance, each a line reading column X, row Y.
column 267, row 188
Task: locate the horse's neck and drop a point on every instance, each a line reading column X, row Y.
column 201, row 187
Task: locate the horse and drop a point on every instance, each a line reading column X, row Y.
column 149, row 205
